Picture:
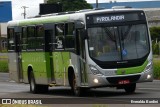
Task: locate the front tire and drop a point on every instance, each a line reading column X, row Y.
column 76, row 90
column 130, row 88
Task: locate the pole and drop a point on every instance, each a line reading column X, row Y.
column 45, row 1
column 24, row 14
column 96, row 3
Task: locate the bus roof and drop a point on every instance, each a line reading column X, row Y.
column 65, row 16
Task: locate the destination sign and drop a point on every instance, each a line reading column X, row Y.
column 111, row 18
column 103, row 19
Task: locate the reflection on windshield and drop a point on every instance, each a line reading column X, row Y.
column 118, row 43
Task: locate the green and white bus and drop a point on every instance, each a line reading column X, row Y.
column 82, row 49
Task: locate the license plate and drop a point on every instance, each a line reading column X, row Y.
column 123, row 82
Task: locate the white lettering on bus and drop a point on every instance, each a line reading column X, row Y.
column 110, row 18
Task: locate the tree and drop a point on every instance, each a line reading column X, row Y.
column 155, row 33
column 72, row 5
column 155, row 36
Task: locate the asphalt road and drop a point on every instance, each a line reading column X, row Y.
column 101, row 96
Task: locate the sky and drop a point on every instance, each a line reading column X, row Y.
column 101, row 1
column 33, row 6
column 17, row 10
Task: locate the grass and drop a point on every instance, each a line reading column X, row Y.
column 3, row 65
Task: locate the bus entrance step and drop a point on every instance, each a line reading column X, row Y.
column 53, row 84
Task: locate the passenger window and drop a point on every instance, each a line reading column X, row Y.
column 24, row 38
column 31, row 38
column 11, row 40
column 39, row 43
column 59, row 42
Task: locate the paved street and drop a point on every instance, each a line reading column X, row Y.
column 62, row 95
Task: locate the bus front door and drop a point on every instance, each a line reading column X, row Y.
column 82, row 61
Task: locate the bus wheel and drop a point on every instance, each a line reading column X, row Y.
column 130, row 88
column 33, row 86
column 77, row 90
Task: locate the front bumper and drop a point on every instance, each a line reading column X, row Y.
column 107, row 81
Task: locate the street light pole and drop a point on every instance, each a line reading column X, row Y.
column 24, row 14
column 96, row 3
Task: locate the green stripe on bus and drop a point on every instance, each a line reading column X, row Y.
column 44, row 20
column 132, row 70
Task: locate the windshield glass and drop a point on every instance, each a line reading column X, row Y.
column 118, row 43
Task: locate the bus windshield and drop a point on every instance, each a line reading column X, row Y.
column 118, row 43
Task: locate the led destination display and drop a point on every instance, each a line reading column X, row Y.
column 111, row 18
column 115, row 18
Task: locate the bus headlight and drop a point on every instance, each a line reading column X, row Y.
column 95, row 80
column 95, row 71
column 149, row 66
column 149, row 76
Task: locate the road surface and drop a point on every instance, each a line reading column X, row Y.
column 100, row 97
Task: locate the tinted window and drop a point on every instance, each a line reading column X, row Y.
column 59, row 42
column 11, row 41
column 39, row 43
column 70, row 37
column 24, row 39
column 31, row 38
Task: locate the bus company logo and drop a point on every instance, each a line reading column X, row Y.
column 6, row 101
column 123, row 72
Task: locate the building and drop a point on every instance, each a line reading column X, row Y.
column 152, row 9
column 6, row 9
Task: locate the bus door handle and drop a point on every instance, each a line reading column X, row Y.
column 82, row 59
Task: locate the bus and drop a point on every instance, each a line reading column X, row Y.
column 82, row 50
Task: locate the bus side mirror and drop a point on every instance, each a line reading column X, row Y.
column 79, row 24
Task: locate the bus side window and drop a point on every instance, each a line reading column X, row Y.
column 31, row 38
column 69, row 36
column 39, row 42
column 59, row 28
column 11, row 39
column 24, row 38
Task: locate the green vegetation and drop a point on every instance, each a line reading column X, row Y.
column 3, row 66
column 155, row 33
column 72, row 5
column 4, row 51
column 155, row 47
column 156, row 67
column 155, row 36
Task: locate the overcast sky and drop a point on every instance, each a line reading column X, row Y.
column 33, row 6
column 100, row 1
column 32, row 10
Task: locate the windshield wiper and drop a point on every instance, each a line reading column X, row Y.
column 109, row 34
column 126, row 33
